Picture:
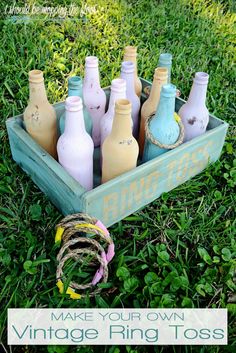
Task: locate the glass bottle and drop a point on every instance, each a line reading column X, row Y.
column 163, row 125
column 94, row 96
column 149, row 107
column 75, row 89
column 130, row 54
column 194, row 113
column 40, row 116
column 127, row 73
column 120, row 149
column 75, row 147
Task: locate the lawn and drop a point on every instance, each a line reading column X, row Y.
column 179, row 251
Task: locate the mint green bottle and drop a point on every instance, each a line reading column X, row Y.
column 75, row 89
column 163, row 125
column 165, row 60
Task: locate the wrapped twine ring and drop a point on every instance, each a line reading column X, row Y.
column 77, row 247
column 153, row 140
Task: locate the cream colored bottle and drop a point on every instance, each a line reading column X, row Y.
column 130, row 54
column 40, row 116
column 150, row 105
column 120, row 149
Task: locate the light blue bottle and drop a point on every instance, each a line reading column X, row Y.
column 165, row 60
column 163, row 125
column 75, row 89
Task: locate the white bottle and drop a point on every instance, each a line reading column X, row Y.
column 94, row 96
column 194, row 113
column 118, row 91
column 75, row 147
column 127, row 73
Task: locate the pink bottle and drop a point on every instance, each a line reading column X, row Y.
column 127, row 73
column 75, row 146
column 194, row 113
column 94, row 96
column 118, row 91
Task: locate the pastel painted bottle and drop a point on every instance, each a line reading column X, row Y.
column 165, row 60
column 194, row 113
column 118, row 91
column 163, row 125
column 94, row 96
column 75, row 147
column 149, row 107
column 40, row 116
column 120, row 149
column 75, row 89
column 127, row 73
column 130, row 54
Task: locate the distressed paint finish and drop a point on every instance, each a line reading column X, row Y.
column 63, row 190
column 127, row 193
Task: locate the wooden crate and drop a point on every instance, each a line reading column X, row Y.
column 125, row 194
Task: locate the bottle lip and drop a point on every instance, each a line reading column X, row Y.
column 168, row 90
column 127, row 67
column 161, row 73
column 118, row 85
column 123, row 106
column 75, row 81
column 73, row 103
column 130, row 50
column 91, row 61
column 36, row 76
column 201, row 78
column 165, row 57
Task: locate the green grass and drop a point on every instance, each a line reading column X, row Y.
column 180, row 250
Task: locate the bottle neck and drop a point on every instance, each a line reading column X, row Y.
column 165, row 110
column 129, row 78
column 197, row 94
column 133, row 59
column 122, row 126
column 74, row 123
column 91, row 76
column 156, row 88
column 113, row 97
column 75, row 91
column 37, row 92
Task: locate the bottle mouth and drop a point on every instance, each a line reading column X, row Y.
column 131, row 51
column 91, row 61
column 165, row 57
column 201, row 78
column 36, row 76
column 118, row 85
column 161, row 73
column 73, row 103
column 74, row 81
column 123, row 106
column 168, row 90
column 127, row 67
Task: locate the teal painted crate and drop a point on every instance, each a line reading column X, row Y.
column 125, row 194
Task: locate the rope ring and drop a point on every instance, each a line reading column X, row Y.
column 69, row 232
column 154, row 141
column 66, row 246
column 60, row 275
column 69, row 220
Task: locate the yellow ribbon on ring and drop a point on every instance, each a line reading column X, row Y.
column 59, row 233
column 69, row 290
column 60, row 230
column 177, row 117
column 88, row 225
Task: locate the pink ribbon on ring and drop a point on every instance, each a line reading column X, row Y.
column 107, row 257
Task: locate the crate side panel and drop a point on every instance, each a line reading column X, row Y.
column 63, row 191
column 124, row 195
